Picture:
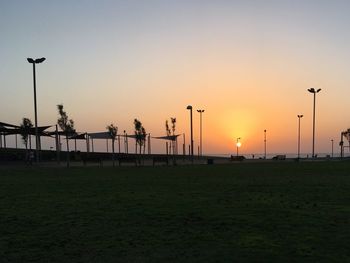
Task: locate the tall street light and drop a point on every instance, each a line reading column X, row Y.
column 189, row 107
column 264, row 144
column 312, row 90
column 36, row 61
column 238, row 144
column 299, row 117
column 201, row 146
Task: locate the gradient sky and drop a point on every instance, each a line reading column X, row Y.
column 247, row 63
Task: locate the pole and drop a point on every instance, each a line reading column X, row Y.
column 299, row 117
column 176, row 147
column 119, row 144
column 299, row 138
column 313, row 128
column 200, row 113
column 57, row 146
column 191, row 135
column 184, row 145
column 36, row 118
column 341, row 144
column 201, row 133
column 200, row 129
column 238, row 144
column 264, row 144
column 127, row 143
column 87, row 143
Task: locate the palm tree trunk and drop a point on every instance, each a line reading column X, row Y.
column 67, row 151
column 27, row 154
column 113, row 157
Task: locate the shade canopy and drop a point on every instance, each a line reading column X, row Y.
column 11, row 129
column 99, row 135
column 169, row 138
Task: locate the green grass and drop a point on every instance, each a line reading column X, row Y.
column 257, row 212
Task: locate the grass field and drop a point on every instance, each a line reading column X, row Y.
column 246, row 212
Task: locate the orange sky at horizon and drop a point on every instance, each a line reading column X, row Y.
column 247, row 64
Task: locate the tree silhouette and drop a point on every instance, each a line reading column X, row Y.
column 173, row 127
column 140, row 134
column 66, row 125
column 112, row 131
column 25, row 127
column 168, row 133
column 167, row 129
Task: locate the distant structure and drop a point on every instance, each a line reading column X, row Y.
column 343, row 134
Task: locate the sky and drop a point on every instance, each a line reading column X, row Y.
column 248, row 64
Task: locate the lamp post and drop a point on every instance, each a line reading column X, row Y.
column 299, row 117
column 189, row 107
column 264, row 144
column 201, row 145
column 184, row 145
column 312, row 90
column 238, row 144
column 35, row 61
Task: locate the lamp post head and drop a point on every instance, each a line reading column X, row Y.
column 189, row 107
column 40, row 60
column 312, row 90
column 200, row 111
column 300, row 116
column 36, row 61
column 238, row 143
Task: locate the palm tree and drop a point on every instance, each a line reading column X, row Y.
column 144, row 136
column 113, row 131
column 168, row 133
column 171, row 132
column 66, row 125
column 167, row 129
column 140, row 134
column 173, row 126
column 25, row 128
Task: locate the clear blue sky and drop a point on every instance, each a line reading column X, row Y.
column 248, row 63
